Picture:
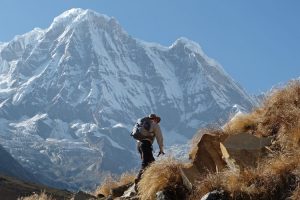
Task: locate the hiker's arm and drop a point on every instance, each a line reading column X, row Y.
column 159, row 138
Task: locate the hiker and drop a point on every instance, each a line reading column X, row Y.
column 144, row 145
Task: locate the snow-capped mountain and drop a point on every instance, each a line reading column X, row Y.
column 69, row 95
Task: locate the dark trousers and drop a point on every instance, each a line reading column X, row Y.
column 145, row 150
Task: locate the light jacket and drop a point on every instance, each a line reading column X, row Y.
column 155, row 132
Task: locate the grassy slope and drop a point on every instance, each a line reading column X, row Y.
column 11, row 188
column 277, row 176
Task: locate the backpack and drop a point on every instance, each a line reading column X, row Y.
column 141, row 128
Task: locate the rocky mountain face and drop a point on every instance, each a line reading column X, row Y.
column 69, row 95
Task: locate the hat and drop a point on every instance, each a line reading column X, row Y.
column 152, row 116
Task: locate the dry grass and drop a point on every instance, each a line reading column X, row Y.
column 114, row 182
column 274, row 176
column 290, row 140
column 242, row 123
column 278, row 175
column 296, row 193
column 278, row 114
column 159, row 175
column 42, row 196
column 281, row 110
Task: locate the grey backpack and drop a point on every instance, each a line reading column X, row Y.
column 141, row 127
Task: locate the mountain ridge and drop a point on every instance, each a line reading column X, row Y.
column 77, row 87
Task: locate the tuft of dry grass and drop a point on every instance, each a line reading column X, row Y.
column 243, row 123
column 281, row 110
column 296, row 193
column 159, row 175
column 111, row 182
column 41, row 196
column 278, row 114
column 290, row 140
column 275, row 176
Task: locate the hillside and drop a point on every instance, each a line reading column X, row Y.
column 272, row 145
column 254, row 156
column 10, row 167
column 12, row 189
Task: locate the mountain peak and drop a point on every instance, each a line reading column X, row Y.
column 77, row 15
column 79, row 12
column 187, row 43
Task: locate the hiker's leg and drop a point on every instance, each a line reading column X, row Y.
column 147, row 157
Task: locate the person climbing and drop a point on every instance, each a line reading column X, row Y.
column 144, row 144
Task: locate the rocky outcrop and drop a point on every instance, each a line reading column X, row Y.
column 216, row 152
column 244, row 150
column 208, row 158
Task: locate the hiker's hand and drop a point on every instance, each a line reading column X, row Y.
column 160, row 153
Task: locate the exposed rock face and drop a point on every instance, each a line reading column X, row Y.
column 215, row 152
column 244, row 150
column 208, row 158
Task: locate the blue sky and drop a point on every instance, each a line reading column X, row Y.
column 256, row 41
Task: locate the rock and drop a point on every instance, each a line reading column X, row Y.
column 119, row 191
column 216, row 195
column 189, row 175
column 209, row 156
column 243, row 150
column 83, row 196
column 176, row 192
column 129, row 193
column 100, row 196
column 110, row 197
column 160, row 195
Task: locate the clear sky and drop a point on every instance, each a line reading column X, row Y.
column 256, row 41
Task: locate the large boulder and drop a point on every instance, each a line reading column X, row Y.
column 216, row 152
column 244, row 150
column 208, row 158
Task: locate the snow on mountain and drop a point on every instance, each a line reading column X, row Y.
column 69, row 95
